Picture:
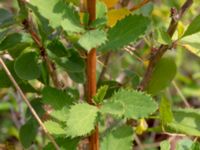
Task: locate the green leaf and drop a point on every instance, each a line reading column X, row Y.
column 37, row 106
column 175, row 127
column 165, row 145
column 27, row 87
column 4, row 79
column 6, row 18
column 75, row 2
column 188, row 117
column 85, row 18
column 166, row 115
column 114, row 108
column 70, row 144
column 73, row 93
column 113, row 86
column 119, row 139
column 194, row 27
column 44, row 73
column 43, row 24
column 71, row 21
column 14, row 41
column 187, row 144
column 195, row 146
column 185, row 121
column 92, row 39
column 191, row 43
column 184, row 144
column 54, row 128
column 59, row 14
column 101, row 10
column 78, row 77
column 136, row 104
column 3, row 34
column 191, row 91
column 163, row 74
column 163, row 37
column 101, row 93
column 125, row 31
column 74, row 63
column 48, row 10
column 5, row 106
column 26, row 66
column 56, row 98
column 61, row 114
column 82, row 118
column 28, row 133
column 57, row 48
column 101, row 17
column 99, row 23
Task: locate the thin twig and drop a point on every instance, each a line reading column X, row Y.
column 181, row 94
column 28, row 104
column 173, row 134
column 139, row 143
column 195, row 139
column 156, row 56
column 134, row 55
column 30, row 29
column 135, row 7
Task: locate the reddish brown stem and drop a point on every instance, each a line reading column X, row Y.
column 91, row 76
column 91, row 91
column 91, row 8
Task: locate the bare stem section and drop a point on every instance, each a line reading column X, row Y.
column 91, row 75
column 28, row 104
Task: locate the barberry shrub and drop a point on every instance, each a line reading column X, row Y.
column 102, row 74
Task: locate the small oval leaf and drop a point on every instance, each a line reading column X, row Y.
column 26, row 66
column 163, row 74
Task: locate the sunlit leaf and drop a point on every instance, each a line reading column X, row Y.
column 54, row 128
column 118, row 139
column 166, row 114
column 92, row 39
column 191, row 43
column 81, row 119
column 136, row 105
column 194, row 27
column 165, row 145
